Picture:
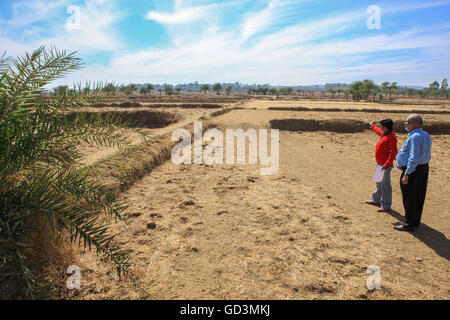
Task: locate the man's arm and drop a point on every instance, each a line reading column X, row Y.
column 413, row 159
column 392, row 145
column 377, row 130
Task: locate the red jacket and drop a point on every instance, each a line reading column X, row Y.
column 386, row 149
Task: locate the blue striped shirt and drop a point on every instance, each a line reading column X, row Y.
column 415, row 151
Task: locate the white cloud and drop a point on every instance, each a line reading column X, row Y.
column 293, row 55
column 95, row 32
column 255, row 23
column 182, row 14
column 31, row 11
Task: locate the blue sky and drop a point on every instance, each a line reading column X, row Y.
column 281, row 42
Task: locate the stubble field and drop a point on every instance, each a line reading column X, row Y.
column 227, row 232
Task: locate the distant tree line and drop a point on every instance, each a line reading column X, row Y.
column 358, row 90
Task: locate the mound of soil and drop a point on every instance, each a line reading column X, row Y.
column 348, row 125
column 135, row 118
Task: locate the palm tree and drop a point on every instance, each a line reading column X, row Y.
column 160, row 91
column 168, row 90
column 132, row 88
column 228, row 90
column 444, row 86
column 178, row 89
column 148, row 88
column 393, row 86
column 434, row 87
column 61, row 90
column 355, row 89
column 347, row 92
column 385, row 87
column 217, row 87
column 110, row 88
column 205, row 88
column 368, row 88
column 43, row 190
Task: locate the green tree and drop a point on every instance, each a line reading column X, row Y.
column 434, row 85
column 434, row 88
column 205, row 88
column 178, row 90
column 146, row 89
column 43, row 190
column 217, row 88
column 444, row 88
column 392, row 86
column 368, row 88
column 168, row 90
column 61, row 90
column 132, row 88
column 110, row 88
column 228, row 90
column 356, row 89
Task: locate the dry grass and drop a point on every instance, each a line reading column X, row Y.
column 225, row 232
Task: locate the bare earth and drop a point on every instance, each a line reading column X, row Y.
column 227, row 232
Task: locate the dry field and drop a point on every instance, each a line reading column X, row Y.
column 227, row 232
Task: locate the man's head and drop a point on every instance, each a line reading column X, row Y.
column 387, row 124
column 413, row 122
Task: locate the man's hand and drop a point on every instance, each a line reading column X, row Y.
column 405, row 179
column 371, row 123
column 384, row 168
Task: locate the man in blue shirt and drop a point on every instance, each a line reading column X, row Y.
column 413, row 160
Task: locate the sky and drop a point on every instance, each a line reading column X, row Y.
column 280, row 42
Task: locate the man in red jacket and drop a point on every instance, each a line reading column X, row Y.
column 385, row 153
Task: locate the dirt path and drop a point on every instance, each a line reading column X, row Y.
column 225, row 232
column 94, row 153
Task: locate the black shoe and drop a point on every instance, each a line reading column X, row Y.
column 404, row 227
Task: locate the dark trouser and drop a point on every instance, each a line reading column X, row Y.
column 414, row 194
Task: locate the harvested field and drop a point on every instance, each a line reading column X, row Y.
column 358, row 110
column 342, row 104
column 226, row 232
column 158, row 105
column 190, row 98
column 263, row 117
